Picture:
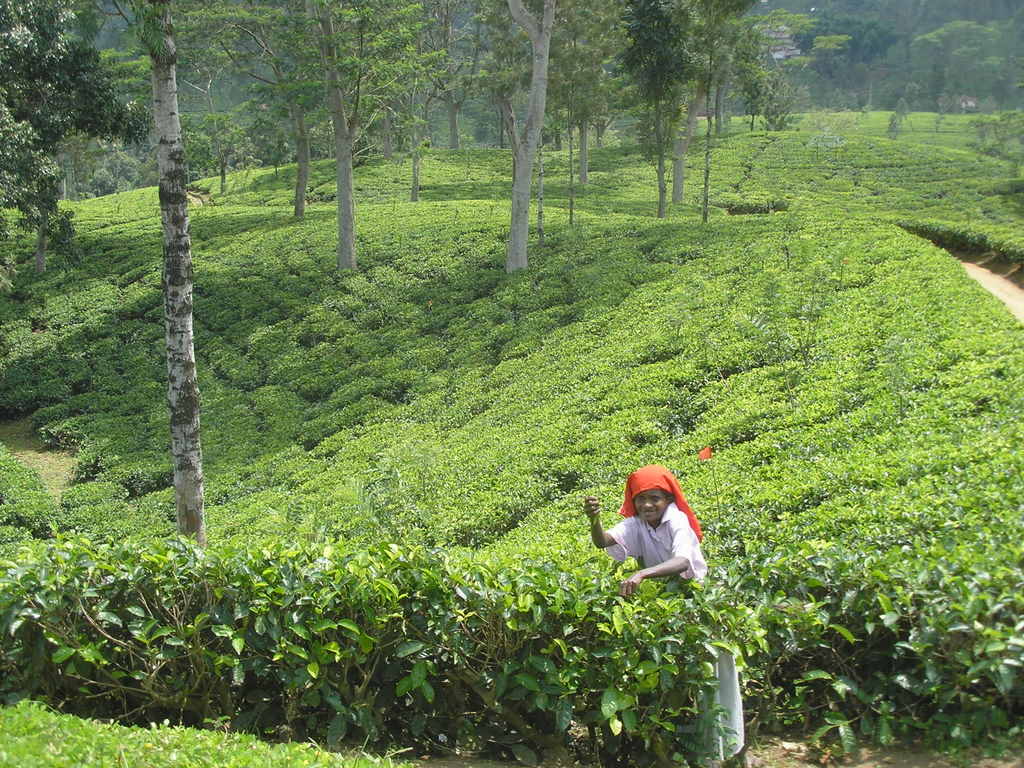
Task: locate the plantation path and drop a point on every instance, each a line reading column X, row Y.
column 784, row 754
column 54, row 467
column 1003, row 288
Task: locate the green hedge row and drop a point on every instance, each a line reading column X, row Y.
column 971, row 239
column 384, row 645
column 524, row 650
column 33, row 737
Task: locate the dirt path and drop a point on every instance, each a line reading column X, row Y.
column 784, row 754
column 54, row 467
column 1003, row 288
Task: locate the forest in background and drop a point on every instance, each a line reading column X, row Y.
column 906, row 55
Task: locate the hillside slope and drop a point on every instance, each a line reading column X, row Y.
column 861, row 393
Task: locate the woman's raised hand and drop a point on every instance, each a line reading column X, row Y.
column 591, row 507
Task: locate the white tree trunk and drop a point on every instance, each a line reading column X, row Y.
column 682, row 145
column 385, row 140
column 42, row 240
column 302, row 159
column 540, row 196
column 662, row 189
column 417, row 150
column 584, row 152
column 525, row 146
column 522, row 171
column 182, row 383
column 344, row 137
column 453, row 125
column 346, row 202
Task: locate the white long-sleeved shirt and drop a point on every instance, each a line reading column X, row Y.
column 652, row 546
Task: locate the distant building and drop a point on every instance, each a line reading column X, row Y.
column 781, row 45
column 968, row 104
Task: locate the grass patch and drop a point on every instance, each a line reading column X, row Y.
column 54, row 467
column 33, row 737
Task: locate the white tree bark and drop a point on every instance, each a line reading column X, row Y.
column 524, row 145
column 42, row 240
column 540, row 196
column 584, row 152
column 682, row 145
column 453, row 124
column 182, row 383
column 344, row 137
column 302, row 160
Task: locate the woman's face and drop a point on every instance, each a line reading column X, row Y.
column 651, row 505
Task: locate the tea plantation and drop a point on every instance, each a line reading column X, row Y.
column 395, row 457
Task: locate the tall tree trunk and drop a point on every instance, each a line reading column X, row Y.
column 719, row 110
column 584, row 152
column 525, row 145
column 223, row 164
column 453, row 125
column 662, row 188
column 572, row 187
column 522, row 171
column 682, row 145
column 344, row 138
column 540, row 195
column 346, row 256
column 501, row 129
column 302, row 160
column 42, row 240
column 385, row 140
column 182, row 383
column 558, row 139
column 600, row 128
column 707, row 170
column 414, row 191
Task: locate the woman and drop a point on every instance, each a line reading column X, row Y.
column 662, row 533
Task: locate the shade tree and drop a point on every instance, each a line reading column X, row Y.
column 452, row 31
column 153, row 24
column 518, row 62
column 582, row 87
column 269, row 42
column 660, row 64
column 366, row 49
column 53, row 85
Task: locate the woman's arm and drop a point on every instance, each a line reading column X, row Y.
column 598, row 535
column 670, row 567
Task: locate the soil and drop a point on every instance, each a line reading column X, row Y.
column 1003, row 287
column 786, row 754
column 54, row 467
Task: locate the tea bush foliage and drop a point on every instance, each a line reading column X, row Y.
column 395, row 456
column 388, row 644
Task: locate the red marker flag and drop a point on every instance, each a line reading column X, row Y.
column 705, row 453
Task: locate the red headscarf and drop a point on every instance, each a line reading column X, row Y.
column 655, row 476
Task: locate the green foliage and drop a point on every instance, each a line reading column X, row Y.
column 862, row 396
column 375, row 645
column 26, row 508
column 33, row 737
column 53, row 85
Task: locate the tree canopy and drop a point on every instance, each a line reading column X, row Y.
column 52, row 85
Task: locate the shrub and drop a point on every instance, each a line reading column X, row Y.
column 379, row 644
column 26, row 508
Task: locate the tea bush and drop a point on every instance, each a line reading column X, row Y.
column 863, row 507
column 380, row 644
column 26, row 509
